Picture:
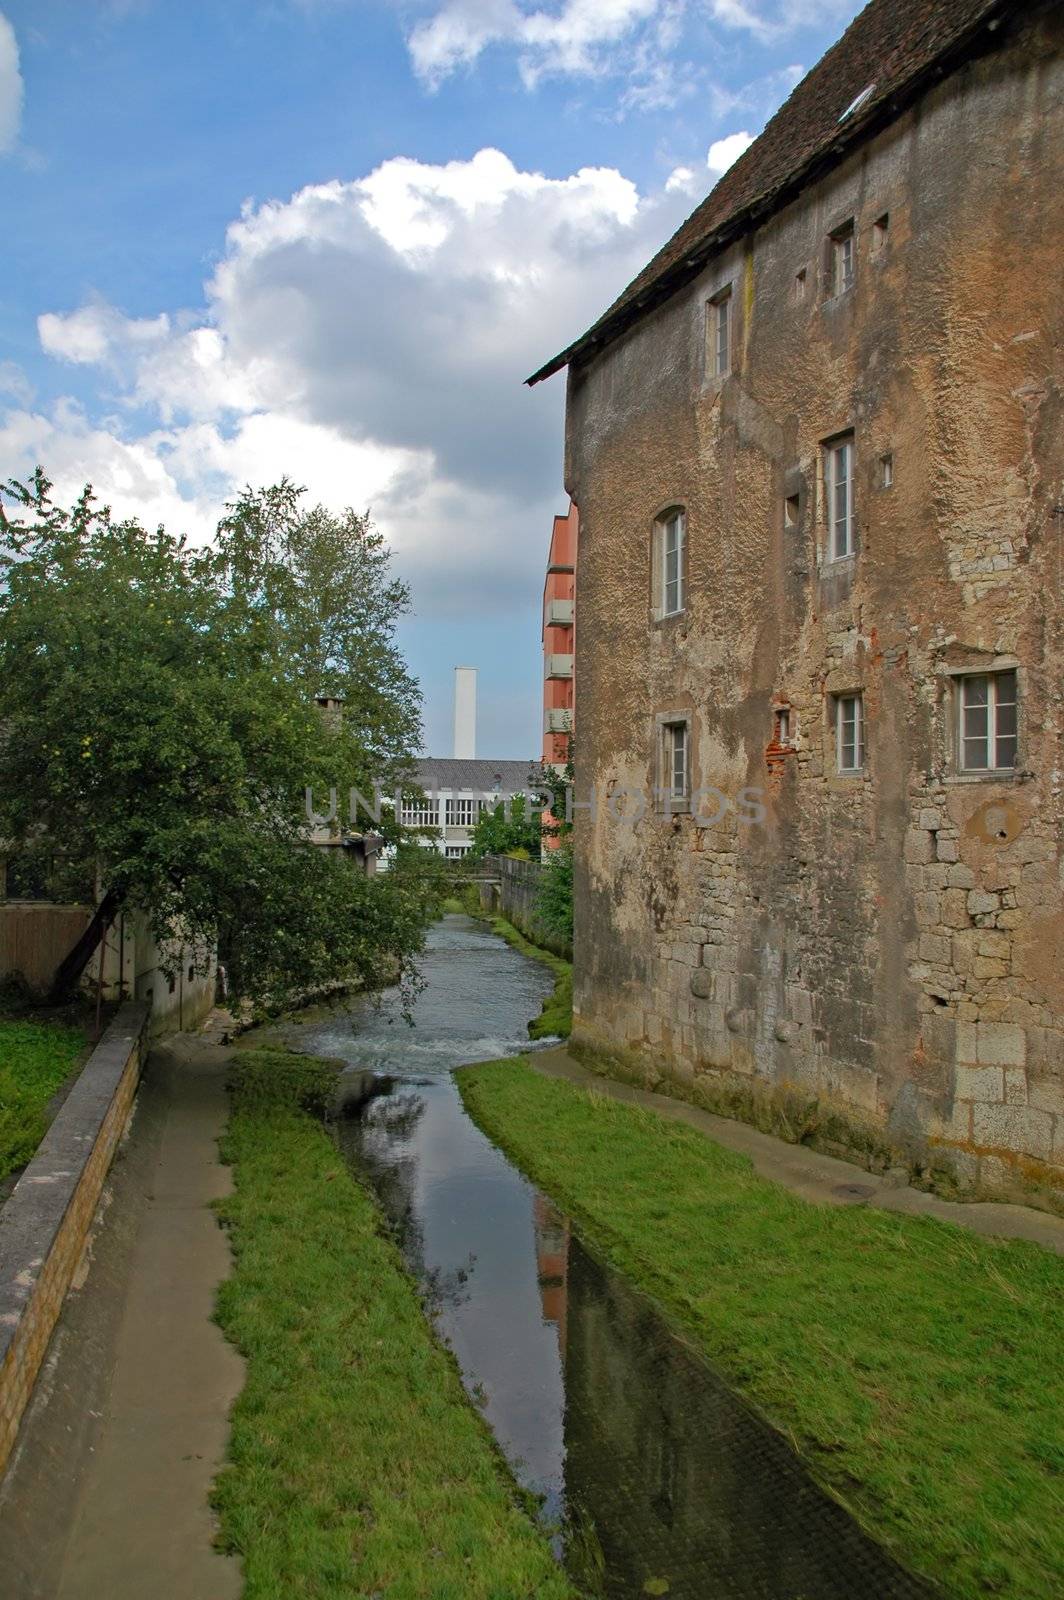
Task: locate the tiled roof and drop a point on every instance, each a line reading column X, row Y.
column 894, row 47
column 482, row 777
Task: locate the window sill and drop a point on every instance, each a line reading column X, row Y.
column 668, row 619
column 833, row 564
column 986, row 775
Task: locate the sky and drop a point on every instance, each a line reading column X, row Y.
column 329, row 239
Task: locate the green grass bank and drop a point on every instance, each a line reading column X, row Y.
column 357, row 1466
column 36, row 1058
column 916, row 1367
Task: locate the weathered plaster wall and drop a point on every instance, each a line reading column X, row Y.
column 879, row 958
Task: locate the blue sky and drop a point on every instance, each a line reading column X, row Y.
column 329, row 238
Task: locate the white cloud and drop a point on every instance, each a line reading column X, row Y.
column 10, row 87
column 723, row 153
column 571, row 39
column 657, row 47
column 369, row 339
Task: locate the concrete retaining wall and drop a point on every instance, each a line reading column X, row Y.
column 44, row 1224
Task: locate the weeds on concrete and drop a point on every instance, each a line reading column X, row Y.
column 356, row 1464
column 916, row 1366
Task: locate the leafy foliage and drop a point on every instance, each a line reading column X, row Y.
column 508, row 829
column 554, row 902
column 158, row 719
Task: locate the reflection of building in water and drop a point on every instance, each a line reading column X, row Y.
column 552, row 1265
column 677, row 1479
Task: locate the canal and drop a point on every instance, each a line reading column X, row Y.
column 653, row 1478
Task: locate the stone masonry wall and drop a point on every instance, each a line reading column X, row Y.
column 871, row 959
column 46, row 1219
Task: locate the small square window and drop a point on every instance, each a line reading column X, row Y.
column 880, row 234
column 784, row 726
column 838, row 498
column 791, row 511
column 886, row 471
column 987, row 731
column 849, row 732
column 720, row 333
column 674, row 761
column 799, row 285
column 843, row 259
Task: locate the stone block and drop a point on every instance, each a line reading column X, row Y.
column 982, row 967
column 996, row 945
column 980, row 903
column 947, row 850
column 702, row 983
column 1020, row 1129
column 955, row 908
column 935, row 948
column 961, row 877
column 1002, row 1044
column 1015, row 1086
column 919, row 848
column 929, row 818
column 967, row 1046
column 983, row 1084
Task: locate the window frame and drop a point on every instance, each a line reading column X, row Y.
column 831, row 450
column 669, row 724
column 843, row 259
column 677, row 740
column 721, row 330
column 854, row 698
column 673, row 516
column 993, row 736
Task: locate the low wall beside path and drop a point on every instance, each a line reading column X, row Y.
column 517, row 897
column 46, row 1219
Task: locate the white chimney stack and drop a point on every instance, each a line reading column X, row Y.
column 465, row 713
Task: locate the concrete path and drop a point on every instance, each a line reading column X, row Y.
column 107, row 1494
column 806, row 1172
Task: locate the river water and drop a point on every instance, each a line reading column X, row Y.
column 649, row 1470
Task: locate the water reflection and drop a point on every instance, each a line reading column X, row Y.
column 649, row 1468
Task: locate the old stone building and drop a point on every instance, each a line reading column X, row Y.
column 817, row 449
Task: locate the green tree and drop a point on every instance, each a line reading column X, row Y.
column 157, row 719
column 554, row 899
column 508, row 829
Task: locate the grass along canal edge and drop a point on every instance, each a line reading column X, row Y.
column 357, row 1465
column 916, row 1367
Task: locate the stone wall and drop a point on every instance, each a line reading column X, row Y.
column 46, row 1219
column 871, row 959
column 516, row 898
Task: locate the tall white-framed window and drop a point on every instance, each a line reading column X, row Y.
column 843, row 259
column 838, row 498
column 720, row 333
column 849, row 732
column 675, row 761
column 987, row 731
column 673, row 539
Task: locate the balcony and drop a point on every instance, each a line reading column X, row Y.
column 559, row 666
column 559, row 613
column 557, row 719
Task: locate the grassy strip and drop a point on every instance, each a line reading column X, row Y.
column 36, row 1058
column 916, row 1365
column 556, row 1018
column 357, row 1465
